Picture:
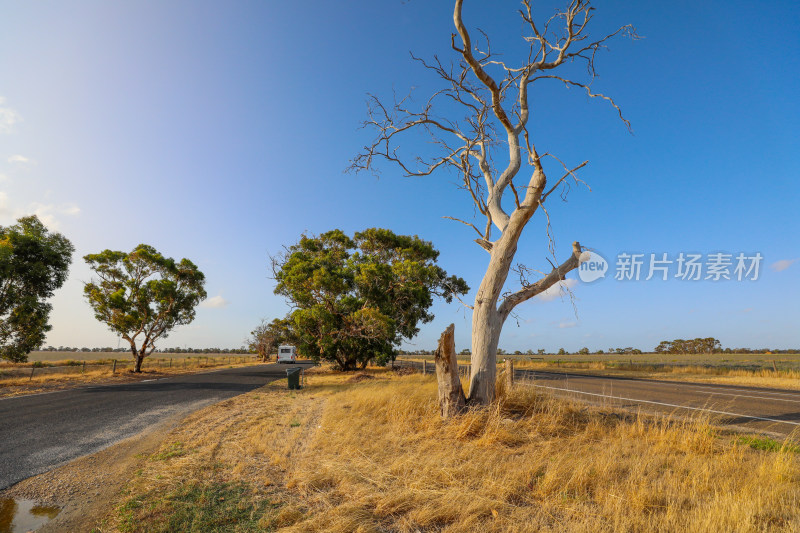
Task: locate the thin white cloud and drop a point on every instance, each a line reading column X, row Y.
column 564, row 325
column 8, row 117
column 19, row 160
column 49, row 214
column 783, row 264
column 4, row 177
column 215, row 302
column 558, row 290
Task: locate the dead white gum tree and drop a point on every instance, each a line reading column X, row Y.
column 489, row 147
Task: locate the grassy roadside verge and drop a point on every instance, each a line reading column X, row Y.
column 369, row 453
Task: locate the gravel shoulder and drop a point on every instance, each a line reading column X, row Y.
column 84, row 488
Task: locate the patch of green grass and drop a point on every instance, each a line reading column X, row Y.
column 768, row 445
column 174, row 450
column 294, row 423
column 198, row 508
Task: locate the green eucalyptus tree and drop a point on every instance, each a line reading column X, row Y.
column 142, row 295
column 356, row 298
column 33, row 264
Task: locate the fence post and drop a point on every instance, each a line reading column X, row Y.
column 509, row 374
column 32, row 369
column 424, row 366
column 84, row 366
column 114, row 369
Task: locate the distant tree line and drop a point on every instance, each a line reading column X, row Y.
column 204, row 350
column 162, row 350
column 678, row 346
column 698, row 345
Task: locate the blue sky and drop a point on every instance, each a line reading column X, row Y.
column 220, row 132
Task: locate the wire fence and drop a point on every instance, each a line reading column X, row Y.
column 428, row 367
column 112, row 366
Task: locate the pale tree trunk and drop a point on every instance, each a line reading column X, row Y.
column 486, row 328
column 451, row 395
column 487, row 319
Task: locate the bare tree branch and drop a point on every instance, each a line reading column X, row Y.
column 470, row 224
column 529, row 291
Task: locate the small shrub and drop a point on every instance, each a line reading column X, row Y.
column 768, row 445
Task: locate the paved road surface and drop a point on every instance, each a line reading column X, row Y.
column 42, row 431
column 772, row 411
column 775, row 411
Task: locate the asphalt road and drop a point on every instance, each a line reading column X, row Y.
column 762, row 410
column 773, row 411
column 42, row 431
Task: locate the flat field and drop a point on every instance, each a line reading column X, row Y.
column 65, row 370
column 734, row 360
column 119, row 356
column 757, row 370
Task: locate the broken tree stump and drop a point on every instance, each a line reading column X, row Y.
column 451, row 396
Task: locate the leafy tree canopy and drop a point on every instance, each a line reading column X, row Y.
column 33, row 264
column 356, row 298
column 142, row 295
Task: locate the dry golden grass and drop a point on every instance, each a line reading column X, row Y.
column 367, row 455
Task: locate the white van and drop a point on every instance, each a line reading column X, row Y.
column 287, row 354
